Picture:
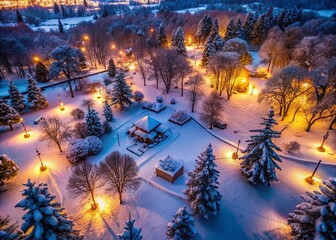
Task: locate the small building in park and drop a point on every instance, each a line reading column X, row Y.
column 148, row 129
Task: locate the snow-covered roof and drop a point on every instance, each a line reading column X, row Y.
column 145, row 135
column 132, row 129
column 162, row 128
column 147, row 123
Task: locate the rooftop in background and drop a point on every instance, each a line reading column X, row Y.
column 147, row 123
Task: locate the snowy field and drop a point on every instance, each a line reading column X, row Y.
column 247, row 212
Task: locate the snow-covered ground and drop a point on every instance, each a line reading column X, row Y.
column 247, row 212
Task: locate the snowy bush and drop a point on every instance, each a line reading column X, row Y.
column 173, row 101
column 292, row 147
column 159, row 99
column 78, row 151
column 8, row 168
column 130, row 231
column 77, row 113
column 79, row 130
column 315, row 217
column 95, row 145
column 179, row 117
column 107, row 127
column 169, row 164
column 138, row 96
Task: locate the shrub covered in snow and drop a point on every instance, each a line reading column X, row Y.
column 179, row 117
column 77, row 113
column 138, row 96
column 159, row 99
column 107, row 127
column 130, row 232
column 95, row 145
column 292, row 147
column 315, row 217
column 169, row 164
column 8, row 168
column 8, row 231
column 78, row 151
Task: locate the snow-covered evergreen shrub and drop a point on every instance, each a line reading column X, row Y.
column 202, row 185
column 138, row 96
column 8, row 168
column 44, row 218
column 121, row 94
column 107, row 127
column 8, row 231
column 77, row 113
column 78, row 151
column 95, row 145
column 130, row 232
column 16, row 98
column 259, row 162
column 292, row 147
column 179, row 117
column 169, row 164
column 159, row 99
column 93, row 124
column 35, row 98
column 107, row 112
column 182, row 226
column 8, row 115
column 315, row 217
column 111, row 71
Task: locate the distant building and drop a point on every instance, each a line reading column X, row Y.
column 43, row 3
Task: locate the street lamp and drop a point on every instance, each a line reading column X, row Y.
column 26, row 135
column 310, row 179
column 235, row 154
column 61, row 105
column 42, row 167
column 325, row 137
column 99, row 93
column 253, row 86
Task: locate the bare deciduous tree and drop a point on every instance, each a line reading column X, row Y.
column 196, row 92
column 184, row 70
column 271, row 51
column 84, row 180
column 212, row 109
column 54, row 131
column 120, row 173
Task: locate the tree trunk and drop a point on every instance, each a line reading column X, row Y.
column 182, row 87
column 120, row 197
column 193, row 106
column 59, row 146
column 332, row 123
column 296, row 111
column 93, row 200
column 70, row 87
column 11, row 126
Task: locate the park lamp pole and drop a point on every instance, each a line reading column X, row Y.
column 310, row 179
column 325, row 137
column 42, row 167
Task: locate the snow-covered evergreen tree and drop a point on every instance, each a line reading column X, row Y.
column 8, row 115
column 238, row 28
column 35, row 98
column 111, row 71
column 247, row 27
column 8, row 231
column 203, row 184
column 315, row 217
column 93, row 124
column 56, row 9
column 204, row 28
column 16, row 98
column 208, row 51
column 230, row 30
column 259, row 162
column 44, row 218
column 8, row 168
column 215, row 37
column 269, row 21
column 162, row 38
column 259, row 32
column 121, row 94
column 178, row 42
column 182, row 226
column 130, row 232
column 107, row 112
column 41, row 72
column 60, row 26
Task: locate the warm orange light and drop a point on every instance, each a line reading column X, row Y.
column 151, row 29
column 83, row 49
column 132, row 67
column 36, row 59
column 120, row 52
column 243, row 80
column 113, row 46
column 62, row 106
column 86, row 37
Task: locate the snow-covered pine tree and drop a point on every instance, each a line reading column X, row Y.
column 8, row 115
column 56, row 9
column 200, row 28
column 8, row 168
column 203, row 184
column 60, row 26
column 215, row 37
column 315, row 217
column 281, row 19
column 93, row 124
column 178, row 42
column 130, row 232
column 111, row 71
column 16, row 98
column 19, row 17
column 247, row 27
column 41, row 72
column 35, row 98
column 259, row 162
column 8, row 231
column 162, row 38
column 238, row 28
column 44, row 218
column 230, row 30
column 182, row 226
column 259, row 32
column 269, row 21
column 208, row 51
column 121, row 94
column 107, row 112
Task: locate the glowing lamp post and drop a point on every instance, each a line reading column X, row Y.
column 99, row 93
column 61, row 105
column 26, row 135
column 310, row 179
column 235, row 154
column 252, row 89
column 325, row 137
column 42, row 167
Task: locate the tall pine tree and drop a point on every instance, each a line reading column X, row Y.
column 45, row 218
column 121, row 94
column 56, row 9
column 203, row 184
column 8, row 115
column 41, row 72
column 238, row 28
column 215, row 37
column 178, row 42
column 259, row 32
column 107, row 112
column 35, row 98
column 8, row 169
column 230, row 30
column 111, row 71
column 204, row 28
column 16, row 98
column 208, row 51
column 182, row 226
column 130, row 232
column 247, row 27
column 93, row 124
column 162, row 38
column 259, row 162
